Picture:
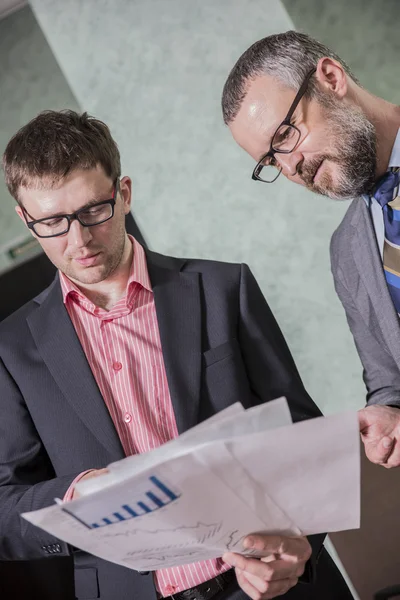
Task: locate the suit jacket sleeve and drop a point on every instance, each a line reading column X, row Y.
column 380, row 372
column 27, row 480
column 272, row 371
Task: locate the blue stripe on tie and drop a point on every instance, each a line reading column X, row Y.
column 396, row 215
column 392, row 279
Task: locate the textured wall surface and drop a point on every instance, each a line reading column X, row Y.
column 365, row 33
column 154, row 70
column 30, row 81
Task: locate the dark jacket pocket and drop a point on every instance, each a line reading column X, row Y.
column 220, row 352
column 225, row 377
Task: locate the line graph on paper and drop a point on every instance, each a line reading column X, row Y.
column 200, row 541
column 150, row 495
column 200, row 531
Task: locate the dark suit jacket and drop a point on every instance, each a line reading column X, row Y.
column 220, row 345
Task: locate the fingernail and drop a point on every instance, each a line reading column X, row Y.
column 387, row 442
column 248, row 543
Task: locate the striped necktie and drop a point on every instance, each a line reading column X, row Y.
column 387, row 194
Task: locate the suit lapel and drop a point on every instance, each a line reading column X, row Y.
column 178, row 308
column 369, row 264
column 63, row 355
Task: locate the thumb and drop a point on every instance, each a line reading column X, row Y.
column 385, row 447
column 380, row 452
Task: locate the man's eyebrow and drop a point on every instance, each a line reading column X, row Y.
column 94, row 201
column 87, row 205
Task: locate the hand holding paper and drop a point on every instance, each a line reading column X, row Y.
column 277, row 573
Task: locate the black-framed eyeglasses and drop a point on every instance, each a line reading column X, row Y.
column 88, row 216
column 284, row 141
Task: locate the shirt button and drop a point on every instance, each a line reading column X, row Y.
column 128, row 419
column 117, row 366
column 170, row 589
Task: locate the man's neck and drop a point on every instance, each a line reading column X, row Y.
column 385, row 117
column 107, row 293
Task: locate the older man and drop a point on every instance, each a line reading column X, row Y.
column 297, row 109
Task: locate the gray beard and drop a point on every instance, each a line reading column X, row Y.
column 356, row 154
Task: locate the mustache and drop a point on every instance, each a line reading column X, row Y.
column 307, row 170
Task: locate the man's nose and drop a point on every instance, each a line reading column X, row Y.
column 289, row 163
column 78, row 235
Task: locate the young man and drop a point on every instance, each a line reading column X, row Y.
column 297, row 109
column 126, row 349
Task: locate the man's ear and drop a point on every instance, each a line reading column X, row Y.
column 125, row 190
column 331, row 76
column 20, row 213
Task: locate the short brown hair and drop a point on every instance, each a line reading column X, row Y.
column 55, row 143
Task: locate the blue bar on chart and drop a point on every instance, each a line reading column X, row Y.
column 154, row 500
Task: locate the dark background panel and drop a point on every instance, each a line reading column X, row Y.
column 46, row 579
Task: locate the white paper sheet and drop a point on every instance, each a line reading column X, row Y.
column 310, row 469
column 242, row 472
column 232, row 422
column 201, row 518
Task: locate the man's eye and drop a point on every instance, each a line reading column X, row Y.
column 270, row 161
column 52, row 223
column 96, row 210
column 285, row 134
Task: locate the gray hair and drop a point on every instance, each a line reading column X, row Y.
column 288, row 57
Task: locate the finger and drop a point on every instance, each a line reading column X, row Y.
column 363, row 421
column 259, row 584
column 281, row 569
column 276, row 544
column 267, row 571
column 268, row 544
column 379, row 453
column 268, row 558
column 250, row 565
column 263, row 586
column 246, row 586
column 393, row 459
column 386, row 447
column 268, row 589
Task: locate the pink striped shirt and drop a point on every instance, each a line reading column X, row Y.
column 123, row 348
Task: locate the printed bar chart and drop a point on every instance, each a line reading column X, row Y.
column 155, row 495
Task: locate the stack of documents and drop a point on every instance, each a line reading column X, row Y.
column 198, row 496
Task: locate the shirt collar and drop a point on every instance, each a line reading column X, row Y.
column 139, row 274
column 394, row 161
